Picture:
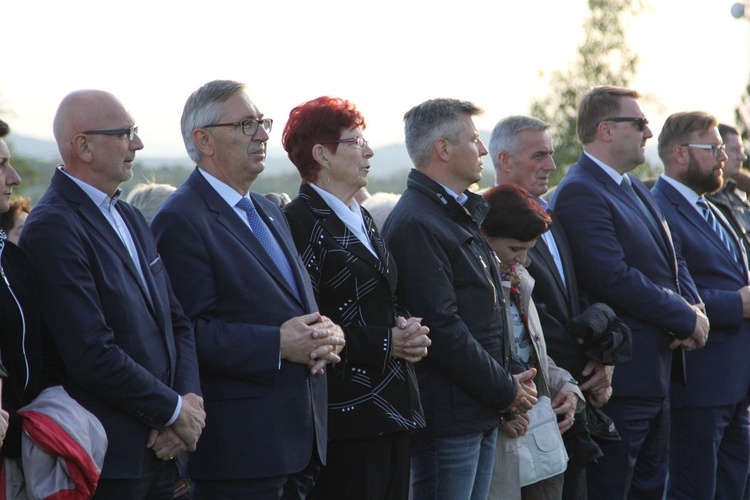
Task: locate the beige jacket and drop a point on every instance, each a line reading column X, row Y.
column 505, row 477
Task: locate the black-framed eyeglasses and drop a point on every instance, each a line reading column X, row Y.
column 358, row 142
column 130, row 132
column 249, row 127
column 640, row 122
column 716, row 149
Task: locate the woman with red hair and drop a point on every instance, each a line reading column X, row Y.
column 512, row 225
column 373, row 400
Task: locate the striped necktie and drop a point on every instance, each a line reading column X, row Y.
column 709, row 216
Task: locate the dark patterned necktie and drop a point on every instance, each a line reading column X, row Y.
column 627, row 185
column 266, row 239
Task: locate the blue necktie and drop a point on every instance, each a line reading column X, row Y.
column 264, row 236
column 716, row 226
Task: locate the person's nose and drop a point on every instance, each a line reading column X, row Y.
column 482, row 148
column 136, row 144
column 12, row 179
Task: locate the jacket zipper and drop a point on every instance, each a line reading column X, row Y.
column 23, row 319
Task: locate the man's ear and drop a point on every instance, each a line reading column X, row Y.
column 442, row 147
column 82, row 147
column 604, row 131
column 680, row 154
column 503, row 162
column 204, row 141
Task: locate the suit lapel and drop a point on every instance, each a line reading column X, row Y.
column 228, row 218
column 545, row 258
column 333, row 226
column 287, row 246
column 152, row 296
column 663, row 238
column 94, row 217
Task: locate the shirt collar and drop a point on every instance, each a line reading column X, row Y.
column 100, row 198
column 687, row 193
column 226, row 192
column 616, row 176
column 460, row 198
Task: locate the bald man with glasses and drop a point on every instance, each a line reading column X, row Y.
column 127, row 349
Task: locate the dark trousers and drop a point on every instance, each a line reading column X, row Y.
column 295, row 486
column 710, row 452
column 156, row 483
column 574, row 485
column 373, row 468
column 636, row 467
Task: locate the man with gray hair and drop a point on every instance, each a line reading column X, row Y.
column 521, row 150
column 262, row 344
column 449, row 276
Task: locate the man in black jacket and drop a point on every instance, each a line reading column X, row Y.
column 448, row 275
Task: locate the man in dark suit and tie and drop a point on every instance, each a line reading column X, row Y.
column 262, row 345
column 710, row 439
column 521, row 150
column 127, row 349
column 624, row 257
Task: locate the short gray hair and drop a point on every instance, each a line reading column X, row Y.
column 505, row 134
column 201, row 109
column 148, row 197
column 431, row 120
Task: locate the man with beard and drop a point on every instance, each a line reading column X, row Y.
column 710, row 441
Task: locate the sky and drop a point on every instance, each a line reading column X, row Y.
column 384, row 55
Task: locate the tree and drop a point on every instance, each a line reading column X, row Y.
column 602, row 59
column 742, row 118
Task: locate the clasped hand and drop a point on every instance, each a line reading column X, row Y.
column 526, row 395
column 183, row 434
column 313, row 340
column 410, row 340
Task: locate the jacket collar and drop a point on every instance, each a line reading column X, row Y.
column 475, row 207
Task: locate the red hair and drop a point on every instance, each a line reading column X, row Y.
column 514, row 213
column 319, row 121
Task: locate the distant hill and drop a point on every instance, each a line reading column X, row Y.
column 387, row 160
column 390, row 166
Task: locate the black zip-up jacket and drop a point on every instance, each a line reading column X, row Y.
column 20, row 341
column 448, row 276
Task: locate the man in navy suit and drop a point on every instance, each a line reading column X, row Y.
column 624, row 257
column 127, row 349
column 521, row 150
column 710, row 438
column 262, row 345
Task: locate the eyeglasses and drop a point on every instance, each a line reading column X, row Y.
column 358, row 142
column 249, row 127
column 130, row 132
column 640, row 123
column 716, row 149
